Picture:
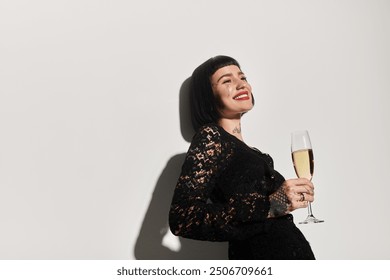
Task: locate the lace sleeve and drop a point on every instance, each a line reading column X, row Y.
column 193, row 215
column 279, row 203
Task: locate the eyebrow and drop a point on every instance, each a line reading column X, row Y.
column 229, row 75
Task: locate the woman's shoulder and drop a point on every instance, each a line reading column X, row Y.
column 208, row 133
column 209, row 128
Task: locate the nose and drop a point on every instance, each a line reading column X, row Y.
column 240, row 84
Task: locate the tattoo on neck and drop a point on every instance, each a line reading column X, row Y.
column 237, row 129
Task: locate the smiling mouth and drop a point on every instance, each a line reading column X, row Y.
column 242, row 96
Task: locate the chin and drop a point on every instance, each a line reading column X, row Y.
column 245, row 111
column 248, row 109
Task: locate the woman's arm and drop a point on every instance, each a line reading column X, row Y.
column 291, row 195
column 193, row 215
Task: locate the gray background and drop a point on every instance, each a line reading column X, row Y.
column 93, row 118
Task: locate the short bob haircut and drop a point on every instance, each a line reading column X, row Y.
column 203, row 104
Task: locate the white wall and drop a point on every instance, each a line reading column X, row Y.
column 90, row 133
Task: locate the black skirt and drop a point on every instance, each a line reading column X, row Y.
column 281, row 240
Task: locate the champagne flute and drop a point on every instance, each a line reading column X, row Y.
column 302, row 156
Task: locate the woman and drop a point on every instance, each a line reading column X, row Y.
column 228, row 191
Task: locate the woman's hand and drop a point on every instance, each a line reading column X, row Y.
column 299, row 192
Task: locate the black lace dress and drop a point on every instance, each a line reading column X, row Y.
column 228, row 191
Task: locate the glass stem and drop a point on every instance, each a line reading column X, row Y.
column 310, row 213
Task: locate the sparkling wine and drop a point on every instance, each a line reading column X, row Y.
column 303, row 163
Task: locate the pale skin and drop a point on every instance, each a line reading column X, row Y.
column 234, row 93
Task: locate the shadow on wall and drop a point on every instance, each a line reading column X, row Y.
column 154, row 241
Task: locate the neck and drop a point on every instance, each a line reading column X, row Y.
column 233, row 126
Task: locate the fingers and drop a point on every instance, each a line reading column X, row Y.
column 297, row 204
column 299, row 191
column 302, row 201
column 299, row 185
column 300, row 197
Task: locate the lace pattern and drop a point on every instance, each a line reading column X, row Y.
column 226, row 191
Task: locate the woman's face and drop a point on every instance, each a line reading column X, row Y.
column 232, row 91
